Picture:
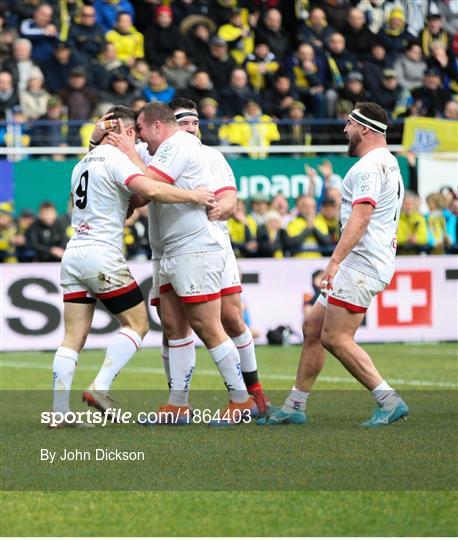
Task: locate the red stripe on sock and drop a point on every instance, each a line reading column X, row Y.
column 131, row 339
column 246, row 345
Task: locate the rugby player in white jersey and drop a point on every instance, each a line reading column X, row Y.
column 194, row 256
column 93, row 265
column 225, row 189
column 361, row 266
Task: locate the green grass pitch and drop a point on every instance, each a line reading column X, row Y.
column 328, row 478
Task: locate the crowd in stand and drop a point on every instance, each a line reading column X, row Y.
column 249, row 62
column 260, row 227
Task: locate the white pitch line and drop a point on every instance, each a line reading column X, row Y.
column 214, row 373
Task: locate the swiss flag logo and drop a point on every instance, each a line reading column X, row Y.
column 407, row 300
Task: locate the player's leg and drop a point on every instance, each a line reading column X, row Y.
column 338, row 337
column 237, row 330
column 77, row 322
column 182, row 353
column 121, row 295
column 311, row 363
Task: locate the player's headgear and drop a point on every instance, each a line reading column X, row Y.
column 375, row 125
column 185, row 113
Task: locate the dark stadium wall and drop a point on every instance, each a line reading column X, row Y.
column 39, row 180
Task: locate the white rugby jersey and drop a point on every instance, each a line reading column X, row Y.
column 185, row 228
column 222, row 177
column 101, row 195
column 375, row 179
column 153, row 223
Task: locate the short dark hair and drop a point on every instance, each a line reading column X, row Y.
column 46, row 204
column 372, row 111
column 157, row 111
column 182, row 103
column 121, row 112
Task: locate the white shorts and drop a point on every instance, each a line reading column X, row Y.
column 230, row 280
column 195, row 277
column 98, row 271
column 154, row 298
column 352, row 290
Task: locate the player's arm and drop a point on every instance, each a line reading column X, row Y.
column 226, row 202
column 164, row 193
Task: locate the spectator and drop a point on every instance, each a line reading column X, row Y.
column 34, row 99
column 57, row 68
column 139, row 73
column 329, row 212
column 186, row 8
column 51, row 129
column 451, row 110
column 137, row 104
column 433, row 32
column 440, row 236
column 107, row 11
column 443, row 63
column 394, row 34
column 7, row 234
column 178, row 69
column 20, row 65
column 430, row 99
column 412, row 235
column 281, row 205
column 308, row 232
column 157, row 88
column 46, row 236
column 23, row 253
column 358, row 37
column 162, row 37
column 259, row 207
column 271, row 236
column 238, row 35
column 80, row 101
column 221, row 11
column 353, row 89
column 295, row 131
column 270, row 31
column 410, row 67
column 236, row 95
column 316, row 30
column 86, row 38
column 253, row 129
column 374, row 13
column 308, row 74
column 391, row 96
column 103, row 67
column 310, row 299
column 220, row 62
column 340, row 61
column 261, row 66
column 133, row 245
column 8, row 35
column 373, row 66
column 243, row 231
column 127, row 39
column 197, row 41
column 209, row 125
column 328, row 179
column 139, row 226
column 200, row 87
column 41, row 32
column 8, row 95
column 278, row 99
column 121, row 90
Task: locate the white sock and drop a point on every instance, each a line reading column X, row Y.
column 121, row 349
column 63, row 369
column 385, row 396
column 227, row 360
column 297, row 400
column 245, row 346
column 182, row 362
column 165, row 355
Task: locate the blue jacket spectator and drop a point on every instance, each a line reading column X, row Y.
column 394, row 34
column 41, row 32
column 87, row 38
column 157, row 88
column 107, row 12
column 57, row 68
